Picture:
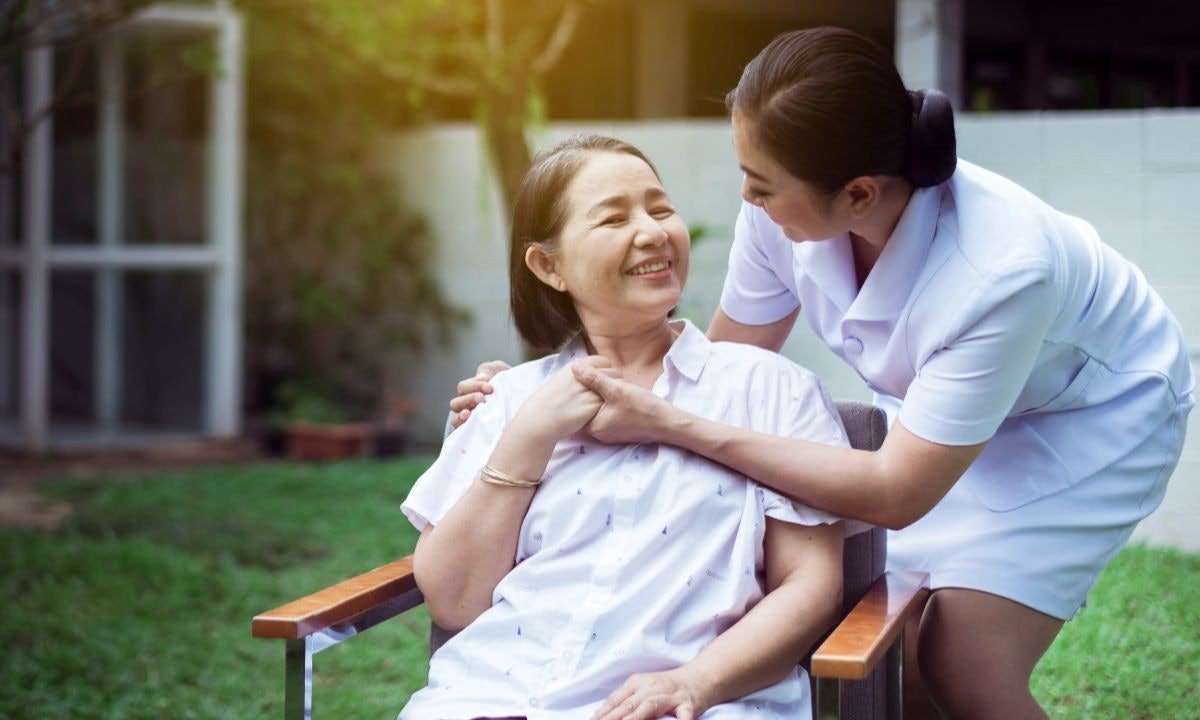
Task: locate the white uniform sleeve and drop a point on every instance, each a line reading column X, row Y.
column 963, row 391
column 796, row 404
column 463, row 455
column 755, row 293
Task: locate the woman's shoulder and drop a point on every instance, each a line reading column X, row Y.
column 750, row 359
column 996, row 226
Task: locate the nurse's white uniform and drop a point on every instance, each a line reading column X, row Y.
column 990, row 315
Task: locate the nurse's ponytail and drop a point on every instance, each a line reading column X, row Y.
column 829, row 106
column 932, row 153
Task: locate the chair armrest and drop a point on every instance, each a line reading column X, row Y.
column 336, row 604
column 859, row 642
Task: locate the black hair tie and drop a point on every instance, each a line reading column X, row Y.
column 932, row 150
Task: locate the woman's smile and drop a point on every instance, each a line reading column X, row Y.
column 653, row 269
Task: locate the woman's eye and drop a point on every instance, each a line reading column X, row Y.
column 612, row 220
column 663, row 212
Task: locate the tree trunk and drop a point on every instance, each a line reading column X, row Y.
column 504, row 125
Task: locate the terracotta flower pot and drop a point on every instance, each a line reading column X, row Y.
column 310, row 441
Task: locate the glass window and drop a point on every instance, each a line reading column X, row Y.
column 163, row 351
column 166, row 153
column 72, row 353
column 10, row 159
column 995, row 79
column 1075, row 83
column 1143, row 84
column 73, row 218
column 10, row 353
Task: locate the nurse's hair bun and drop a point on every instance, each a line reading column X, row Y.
column 932, row 152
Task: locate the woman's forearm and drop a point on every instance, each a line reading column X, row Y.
column 768, row 642
column 851, row 483
column 459, row 562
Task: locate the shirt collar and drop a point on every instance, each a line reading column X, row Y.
column 830, row 263
column 891, row 281
column 830, row 266
column 690, row 351
column 688, row 354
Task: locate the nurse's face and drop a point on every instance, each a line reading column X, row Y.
column 622, row 254
column 799, row 208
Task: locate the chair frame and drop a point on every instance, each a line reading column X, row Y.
column 871, row 632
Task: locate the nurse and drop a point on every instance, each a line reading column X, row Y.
column 1037, row 387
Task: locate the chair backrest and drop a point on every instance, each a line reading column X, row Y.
column 864, row 554
column 863, row 559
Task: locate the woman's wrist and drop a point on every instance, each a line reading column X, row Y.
column 533, row 429
column 679, row 428
column 706, row 686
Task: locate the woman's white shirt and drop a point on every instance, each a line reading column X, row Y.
column 989, row 315
column 631, row 558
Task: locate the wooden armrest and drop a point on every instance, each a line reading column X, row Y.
column 337, row 603
column 864, row 635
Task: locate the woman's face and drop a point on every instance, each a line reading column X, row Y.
column 794, row 205
column 623, row 250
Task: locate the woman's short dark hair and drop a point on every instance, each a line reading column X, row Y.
column 544, row 316
column 829, row 106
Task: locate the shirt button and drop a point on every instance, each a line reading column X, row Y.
column 853, row 345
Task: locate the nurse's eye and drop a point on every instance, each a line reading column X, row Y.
column 758, row 194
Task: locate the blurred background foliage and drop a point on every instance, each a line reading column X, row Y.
column 338, row 270
column 339, row 286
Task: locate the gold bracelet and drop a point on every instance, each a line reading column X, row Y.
column 491, row 475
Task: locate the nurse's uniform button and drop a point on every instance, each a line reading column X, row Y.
column 853, row 345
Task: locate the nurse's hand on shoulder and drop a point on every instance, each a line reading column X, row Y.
column 474, row 390
column 630, row 414
column 647, row 696
column 563, row 406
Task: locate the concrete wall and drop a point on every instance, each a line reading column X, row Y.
column 1134, row 175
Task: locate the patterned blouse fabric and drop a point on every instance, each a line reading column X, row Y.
column 631, row 558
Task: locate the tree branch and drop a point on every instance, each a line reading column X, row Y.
column 448, row 86
column 559, row 39
column 494, row 20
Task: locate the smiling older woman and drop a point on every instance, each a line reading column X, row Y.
column 618, row 581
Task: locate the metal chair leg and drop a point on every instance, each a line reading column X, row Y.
column 297, row 685
column 895, row 679
column 829, row 699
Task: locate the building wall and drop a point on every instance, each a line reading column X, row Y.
column 1135, row 175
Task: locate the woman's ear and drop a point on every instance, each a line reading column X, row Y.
column 862, row 194
column 544, row 267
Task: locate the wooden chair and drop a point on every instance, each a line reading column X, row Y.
column 856, row 670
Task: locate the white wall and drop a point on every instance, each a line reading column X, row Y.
column 1134, row 175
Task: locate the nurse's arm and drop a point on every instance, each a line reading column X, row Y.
column 769, row 337
column 892, row 487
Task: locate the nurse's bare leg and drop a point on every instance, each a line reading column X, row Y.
column 977, row 652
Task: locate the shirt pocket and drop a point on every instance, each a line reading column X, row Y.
column 1071, row 395
column 1016, row 468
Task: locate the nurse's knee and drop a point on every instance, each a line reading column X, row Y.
column 976, row 656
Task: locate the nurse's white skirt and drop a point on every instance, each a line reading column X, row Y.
column 1047, row 551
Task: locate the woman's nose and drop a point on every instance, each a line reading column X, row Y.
column 650, row 231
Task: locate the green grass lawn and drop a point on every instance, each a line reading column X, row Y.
column 140, row 605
